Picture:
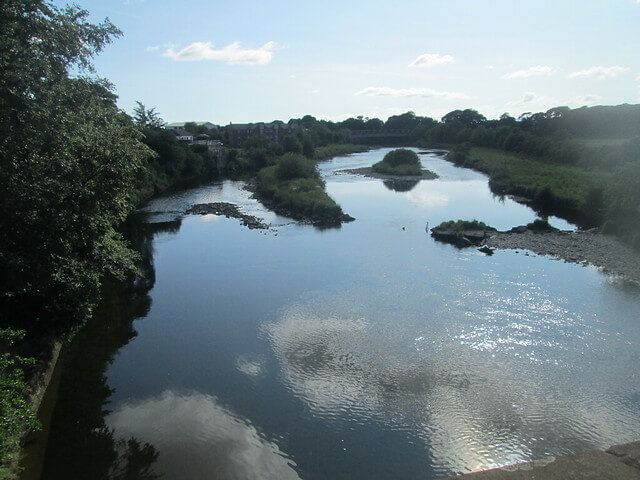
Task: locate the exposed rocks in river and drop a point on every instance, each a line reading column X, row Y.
column 229, row 210
column 582, row 247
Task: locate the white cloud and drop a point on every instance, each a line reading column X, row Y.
column 589, row 99
column 489, row 67
column 408, row 92
column 529, row 72
column 599, row 72
column 233, row 53
column 533, row 102
column 431, row 60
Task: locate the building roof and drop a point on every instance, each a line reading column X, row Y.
column 181, row 132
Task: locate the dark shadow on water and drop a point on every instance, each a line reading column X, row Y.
column 398, row 185
column 79, row 442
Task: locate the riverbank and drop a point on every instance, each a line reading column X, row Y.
column 584, row 247
column 615, row 463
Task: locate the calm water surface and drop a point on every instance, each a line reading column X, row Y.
column 369, row 351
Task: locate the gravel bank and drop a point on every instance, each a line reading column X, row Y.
column 583, row 247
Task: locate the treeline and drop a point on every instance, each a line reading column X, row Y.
column 314, row 139
column 579, row 163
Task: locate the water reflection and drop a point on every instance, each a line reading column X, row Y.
column 78, row 433
column 476, row 397
column 398, row 185
column 370, row 352
column 199, row 438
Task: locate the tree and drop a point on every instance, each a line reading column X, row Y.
column 467, row 118
column 290, row 144
column 148, row 118
column 405, row 121
column 69, row 159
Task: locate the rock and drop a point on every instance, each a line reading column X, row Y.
column 229, row 210
column 486, row 250
column 466, row 238
column 519, row 229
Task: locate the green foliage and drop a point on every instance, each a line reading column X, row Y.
column 401, row 156
column 540, row 225
column 147, row 118
column 69, row 163
column 399, row 162
column 459, row 153
column 291, row 166
column 462, row 225
column 291, row 144
column 16, row 414
column 294, row 186
column 552, row 187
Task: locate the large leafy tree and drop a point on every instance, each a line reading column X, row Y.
column 69, row 159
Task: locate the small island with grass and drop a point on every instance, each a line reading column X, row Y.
column 398, row 164
column 462, row 233
column 292, row 187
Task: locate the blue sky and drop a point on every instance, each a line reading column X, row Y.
column 248, row 61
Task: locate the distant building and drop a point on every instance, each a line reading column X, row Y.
column 239, row 132
column 182, row 135
column 180, row 125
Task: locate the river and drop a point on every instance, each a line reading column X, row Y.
column 368, row 351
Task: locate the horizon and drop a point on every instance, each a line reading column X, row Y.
column 260, row 62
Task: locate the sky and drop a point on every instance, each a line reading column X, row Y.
column 250, row 61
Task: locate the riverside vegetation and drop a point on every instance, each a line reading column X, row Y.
column 294, row 186
column 402, row 162
column 582, row 164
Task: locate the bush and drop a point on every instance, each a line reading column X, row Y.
column 462, row 225
column 294, row 186
column 401, row 156
column 540, row 225
column 399, row 162
column 16, row 415
column 291, row 166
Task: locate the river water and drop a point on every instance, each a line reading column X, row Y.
column 365, row 352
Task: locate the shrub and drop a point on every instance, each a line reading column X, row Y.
column 291, row 166
column 294, row 185
column 401, row 156
column 399, row 162
column 16, row 415
column 462, row 225
column 540, row 225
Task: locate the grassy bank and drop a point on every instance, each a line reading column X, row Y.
column 552, row 188
column 293, row 187
column 604, row 198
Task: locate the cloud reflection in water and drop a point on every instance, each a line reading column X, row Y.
column 198, row 438
column 472, row 406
